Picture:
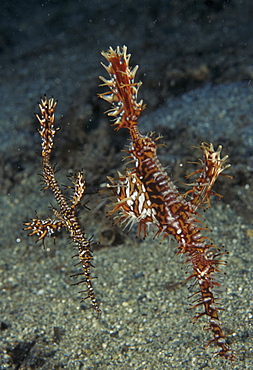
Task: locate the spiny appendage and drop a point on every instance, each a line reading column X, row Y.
column 146, row 195
column 66, row 214
column 123, row 90
column 133, row 202
column 47, row 129
column 43, row 228
column 71, row 224
column 79, row 189
column 52, row 183
column 212, row 166
column 205, row 264
column 85, row 259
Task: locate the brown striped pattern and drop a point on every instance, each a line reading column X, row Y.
column 147, row 195
column 66, row 213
